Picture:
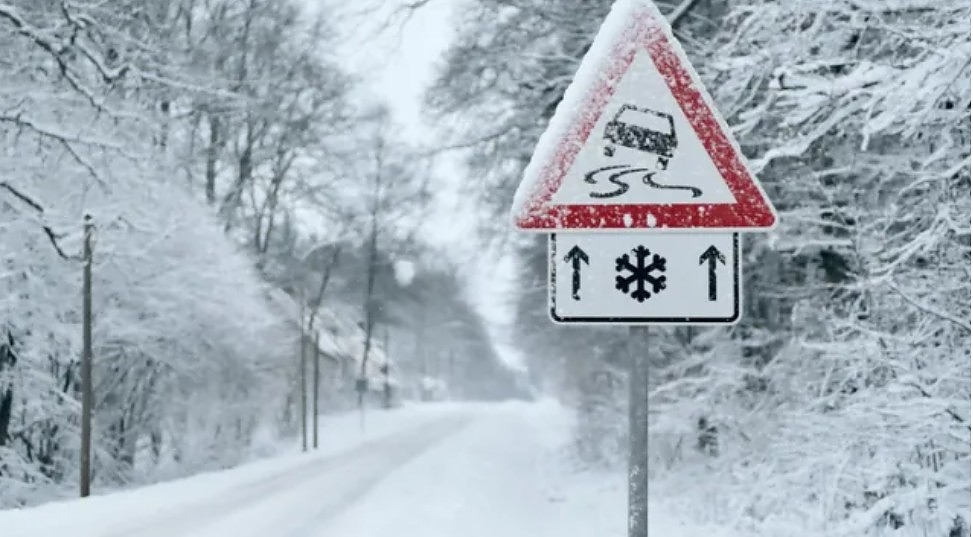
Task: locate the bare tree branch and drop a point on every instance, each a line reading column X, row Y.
column 65, row 142
column 964, row 324
column 48, row 231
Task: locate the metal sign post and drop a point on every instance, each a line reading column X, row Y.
column 638, row 427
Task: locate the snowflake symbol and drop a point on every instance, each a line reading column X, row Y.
column 640, row 273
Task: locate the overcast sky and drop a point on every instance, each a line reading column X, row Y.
column 396, row 56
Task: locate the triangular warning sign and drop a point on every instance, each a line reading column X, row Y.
column 637, row 143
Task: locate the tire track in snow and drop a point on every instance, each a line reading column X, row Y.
column 384, row 454
column 309, row 527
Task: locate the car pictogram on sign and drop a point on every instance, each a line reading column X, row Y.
column 642, row 129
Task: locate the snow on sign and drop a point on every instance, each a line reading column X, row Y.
column 645, row 277
column 636, row 143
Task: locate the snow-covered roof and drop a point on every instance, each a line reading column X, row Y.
column 340, row 335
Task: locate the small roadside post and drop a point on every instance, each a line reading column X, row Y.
column 361, row 387
column 643, row 192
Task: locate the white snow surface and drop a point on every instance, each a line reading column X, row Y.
column 428, row 470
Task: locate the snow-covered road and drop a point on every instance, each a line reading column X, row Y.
column 296, row 502
column 496, row 478
column 425, row 471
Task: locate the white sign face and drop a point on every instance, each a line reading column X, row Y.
column 645, row 278
column 643, row 150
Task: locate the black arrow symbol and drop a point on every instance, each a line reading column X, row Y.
column 712, row 255
column 575, row 256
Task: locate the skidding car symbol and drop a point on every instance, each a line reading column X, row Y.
column 644, row 130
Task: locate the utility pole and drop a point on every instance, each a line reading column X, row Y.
column 638, row 427
column 303, row 376
column 317, row 384
column 86, row 359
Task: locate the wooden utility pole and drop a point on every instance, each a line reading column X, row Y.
column 303, row 377
column 317, row 386
column 86, row 359
column 638, row 427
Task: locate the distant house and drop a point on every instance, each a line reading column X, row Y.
column 341, row 344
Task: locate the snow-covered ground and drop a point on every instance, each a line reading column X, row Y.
column 421, row 471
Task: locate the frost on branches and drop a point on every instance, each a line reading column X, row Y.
column 855, row 378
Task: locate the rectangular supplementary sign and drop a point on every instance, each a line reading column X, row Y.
column 645, row 278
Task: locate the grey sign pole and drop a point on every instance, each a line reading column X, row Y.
column 638, row 431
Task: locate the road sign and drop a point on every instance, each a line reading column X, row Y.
column 636, row 148
column 636, row 143
column 645, row 277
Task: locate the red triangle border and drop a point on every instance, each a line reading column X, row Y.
column 751, row 209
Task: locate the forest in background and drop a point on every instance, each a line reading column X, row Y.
column 224, row 157
column 841, row 399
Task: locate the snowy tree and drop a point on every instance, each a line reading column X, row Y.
column 189, row 360
column 859, row 320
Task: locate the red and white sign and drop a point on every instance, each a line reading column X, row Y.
column 636, row 143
